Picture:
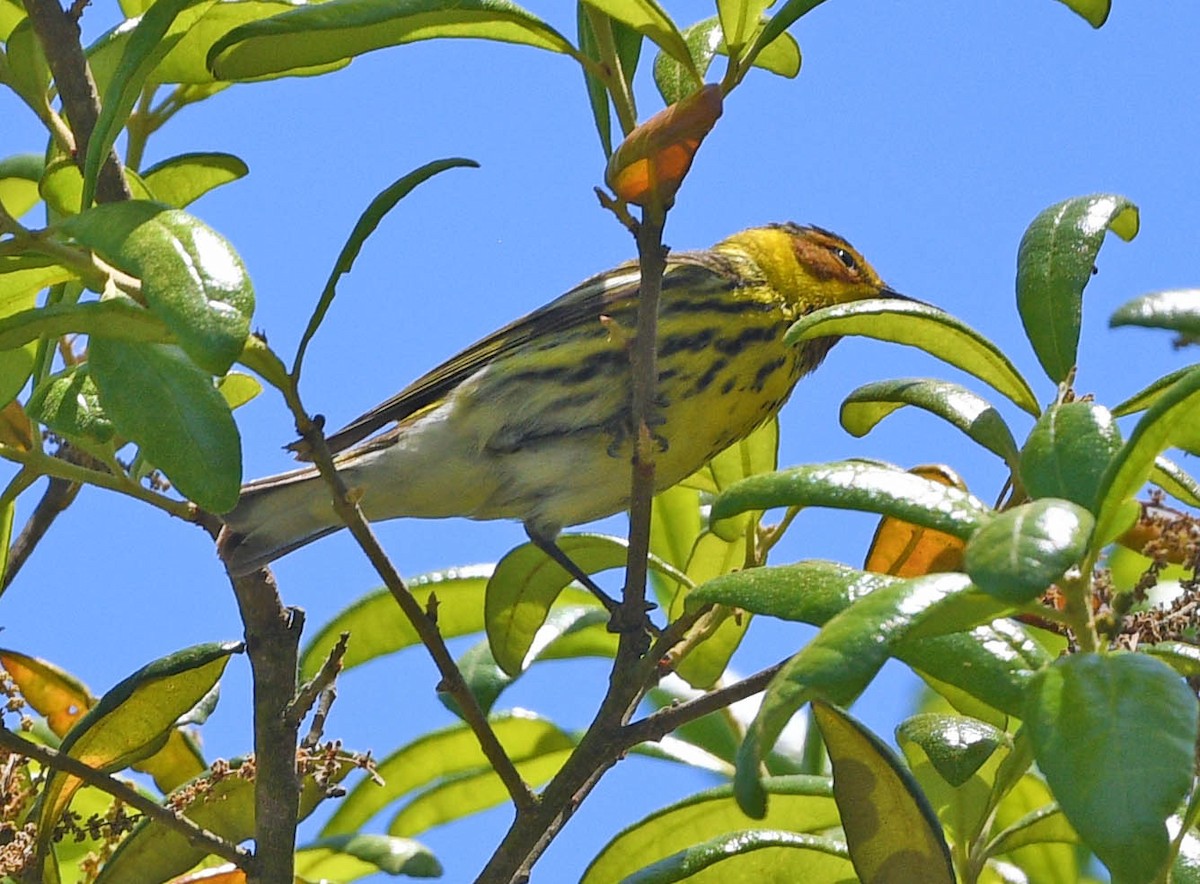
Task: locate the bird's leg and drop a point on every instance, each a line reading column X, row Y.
column 616, row 624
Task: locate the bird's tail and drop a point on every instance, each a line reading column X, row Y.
column 274, row 516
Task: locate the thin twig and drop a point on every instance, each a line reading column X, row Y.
column 310, row 690
column 59, row 494
column 452, row 680
column 195, row 834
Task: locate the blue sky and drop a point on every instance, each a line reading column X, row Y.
column 929, row 133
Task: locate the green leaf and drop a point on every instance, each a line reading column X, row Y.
column 133, row 718
column 1144, row 398
column 1176, row 310
column 20, row 281
column 22, row 277
column 340, row 29
column 444, row 755
column 838, row 664
column 927, row 328
column 1175, row 414
column 573, row 631
column 69, row 404
column 527, row 582
column 736, row 856
column 61, row 185
column 170, row 408
column 740, row 20
column 154, row 35
column 350, row 857
column 955, row 745
column 28, row 70
column 1183, row 657
column 891, row 830
column 378, row 627
column 181, row 180
column 783, row 19
column 1020, row 553
column 1115, row 724
column 363, row 228
column 191, row 276
column 628, row 46
column 675, row 80
column 187, row 60
column 1176, row 481
column 19, row 176
column 1094, row 12
column 154, row 852
column 1046, row 824
column 964, row 409
column 1068, row 451
column 651, row 21
column 117, row 319
column 237, row 389
column 799, row 804
column 857, row 485
column 1054, row 263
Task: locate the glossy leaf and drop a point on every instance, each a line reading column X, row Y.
column 705, row 40
column 155, row 396
column 133, row 718
column 155, row 33
column 903, row 549
column 69, row 404
column 181, row 180
column 801, row 804
column 191, row 276
column 527, row 582
column 891, row 830
column 349, row 857
column 444, row 755
column 969, row 412
column 1115, row 724
column 926, row 328
column 154, row 852
column 749, row 855
column 1019, row 554
column 955, row 745
column 1176, row 481
column 322, row 33
column 1177, row 310
column 838, row 664
column 650, row 164
column 856, row 485
column 367, row 222
column 1068, row 451
column 1054, row 262
column 1147, row 396
column 1176, row 413
column 49, row 691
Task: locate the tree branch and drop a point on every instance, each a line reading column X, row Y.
column 59, row 36
column 452, row 680
column 57, row 760
column 272, row 643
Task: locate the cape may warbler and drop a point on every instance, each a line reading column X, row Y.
column 532, row 423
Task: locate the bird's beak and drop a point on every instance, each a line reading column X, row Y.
column 891, row 293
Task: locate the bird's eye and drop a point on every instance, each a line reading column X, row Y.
column 846, row 258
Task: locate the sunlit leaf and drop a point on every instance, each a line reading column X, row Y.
column 340, row 29
column 1054, row 263
column 1068, row 451
column 50, row 691
column 1094, row 12
column 749, row 855
column 19, row 176
column 926, row 328
column 181, row 180
column 348, row 857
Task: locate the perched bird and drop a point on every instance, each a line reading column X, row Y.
column 533, row 422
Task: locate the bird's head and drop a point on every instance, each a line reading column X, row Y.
column 810, row 267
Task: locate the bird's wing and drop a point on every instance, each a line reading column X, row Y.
column 604, row 294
